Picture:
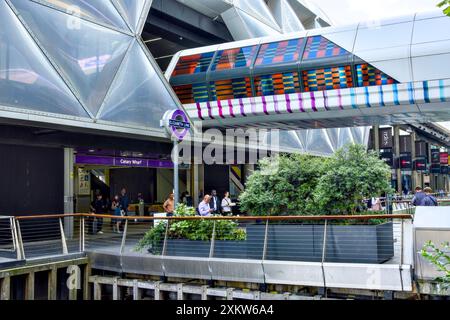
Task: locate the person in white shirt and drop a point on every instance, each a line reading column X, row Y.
column 203, row 208
column 227, row 204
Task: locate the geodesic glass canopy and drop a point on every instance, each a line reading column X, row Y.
column 80, row 63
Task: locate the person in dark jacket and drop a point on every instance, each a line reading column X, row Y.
column 418, row 197
column 98, row 206
column 429, row 200
column 214, row 204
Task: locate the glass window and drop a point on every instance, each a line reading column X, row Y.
column 371, row 76
column 279, row 52
column 234, row 58
column 328, row 78
column 280, row 83
column 231, row 89
column 192, row 93
column 320, row 47
column 196, row 63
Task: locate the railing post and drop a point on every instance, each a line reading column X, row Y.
column 323, row 255
column 401, row 241
column 213, row 240
column 13, row 235
column 63, row 237
column 20, row 249
column 124, row 237
column 266, row 233
column 82, row 234
column 163, row 253
column 324, row 241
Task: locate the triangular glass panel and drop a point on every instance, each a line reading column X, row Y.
column 132, row 11
column 101, row 11
column 87, row 54
column 27, row 79
column 138, row 95
column 319, row 143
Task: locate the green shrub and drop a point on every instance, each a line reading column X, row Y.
column 307, row 185
column 440, row 259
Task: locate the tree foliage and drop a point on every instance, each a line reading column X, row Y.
column 445, row 6
column 353, row 174
column 440, row 259
column 307, row 185
column 283, row 185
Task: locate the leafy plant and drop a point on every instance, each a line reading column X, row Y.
column 307, row 185
column 283, row 185
column 445, row 5
column 353, row 174
column 199, row 229
column 440, row 259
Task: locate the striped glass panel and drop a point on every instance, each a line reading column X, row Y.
column 328, row 78
column 370, row 76
column 280, row 83
column 231, row 89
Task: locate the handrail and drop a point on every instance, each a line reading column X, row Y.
column 239, row 218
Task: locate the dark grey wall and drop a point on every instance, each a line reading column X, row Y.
column 135, row 180
column 32, row 180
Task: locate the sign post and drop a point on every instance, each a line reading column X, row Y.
column 177, row 126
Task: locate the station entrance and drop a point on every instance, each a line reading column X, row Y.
column 147, row 178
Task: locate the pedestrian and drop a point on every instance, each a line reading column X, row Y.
column 418, row 198
column 227, row 205
column 204, row 208
column 376, row 206
column 124, row 201
column 98, row 206
column 169, row 205
column 116, row 208
column 186, row 199
column 214, row 202
column 429, row 200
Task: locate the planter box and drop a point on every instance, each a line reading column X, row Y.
column 295, row 242
column 345, row 243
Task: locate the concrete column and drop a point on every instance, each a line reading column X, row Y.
column 116, row 290
column 5, row 289
column 86, row 288
column 97, row 290
column 414, row 180
column 68, row 191
column 157, row 291
column 29, row 287
column 52, row 284
column 376, row 137
column 397, row 156
column 137, row 293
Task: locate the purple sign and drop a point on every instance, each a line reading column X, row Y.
column 177, row 124
column 123, row 162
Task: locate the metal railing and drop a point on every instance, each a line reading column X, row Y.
column 354, row 238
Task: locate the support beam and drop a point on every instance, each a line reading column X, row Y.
column 29, row 286
column 116, row 290
column 376, row 137
column 86, row 287
column 97, row 290
column 137, row 292
column 5, row 289
column 68, row 191
column 52, row 284
column 397, row 157
column 157, row 290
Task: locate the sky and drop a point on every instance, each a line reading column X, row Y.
column 366, row 10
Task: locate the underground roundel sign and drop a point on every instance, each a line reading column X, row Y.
column 176, row 123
